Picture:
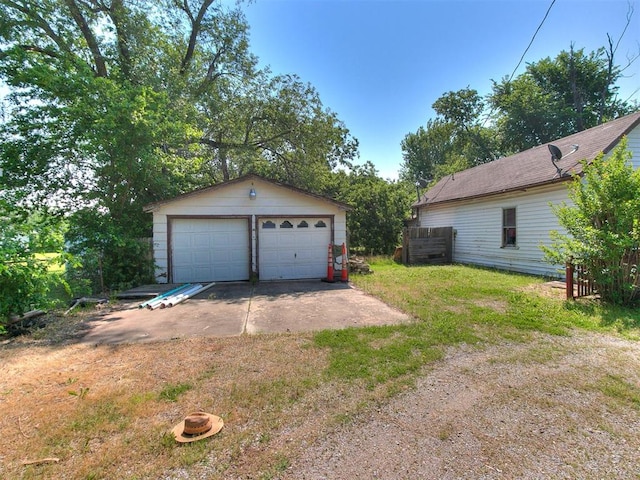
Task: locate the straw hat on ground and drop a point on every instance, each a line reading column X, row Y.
column 196, row 426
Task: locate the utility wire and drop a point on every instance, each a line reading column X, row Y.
column 544, row 19
column 532, row 39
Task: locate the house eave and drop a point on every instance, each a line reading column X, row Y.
column 523, row 188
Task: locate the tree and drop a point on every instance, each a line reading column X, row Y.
column 556, row 98
column 427, row 149
column 277, row 127
column 453, row 141
column 87, row 124
column 379, row 208
column 23, row 277
column 116, row 104
column 603, row 226
column 550, row 100
column 464, row 109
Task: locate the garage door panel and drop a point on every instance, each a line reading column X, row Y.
column 199, row 258
column 293, row 253
column 199, row 240
column 210, row 249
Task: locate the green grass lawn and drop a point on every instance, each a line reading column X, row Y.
column 455, row 304
column 58, row 294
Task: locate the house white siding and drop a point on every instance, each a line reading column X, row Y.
column 477, row 228
column 477, row 224
column 232, row 201
column 633, row 144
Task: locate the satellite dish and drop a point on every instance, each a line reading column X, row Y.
column 556, row 154
column 420, row 183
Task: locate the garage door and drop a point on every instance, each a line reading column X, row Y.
column 293, row 248
column 207, row 250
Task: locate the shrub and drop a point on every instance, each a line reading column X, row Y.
column 603, row 226
column 107, row 257
column 23, row 278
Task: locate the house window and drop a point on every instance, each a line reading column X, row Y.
column 320, row 224
column 286, row 224
column 268, row 224
column 508, row 227
column 303, row 224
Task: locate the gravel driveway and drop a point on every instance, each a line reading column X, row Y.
column 528, row 411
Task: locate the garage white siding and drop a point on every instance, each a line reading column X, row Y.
column 293, row 247
column 207, row 250
column 185, row 257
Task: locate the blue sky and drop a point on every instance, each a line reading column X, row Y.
column 380, row 64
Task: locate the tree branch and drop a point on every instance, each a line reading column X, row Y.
column 92, row 43
column 33, row 48
column 117, row 14
column 196, row 24
column 42, row 23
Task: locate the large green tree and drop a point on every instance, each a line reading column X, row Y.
column 115, row 104
column 275, row 126
column 551, row 99
column 379, row 208
column 556, row 97
column 87, row 122
column 455, row 140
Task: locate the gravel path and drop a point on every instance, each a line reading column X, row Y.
column 529, row 411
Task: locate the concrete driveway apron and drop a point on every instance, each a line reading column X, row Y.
column 231, row 309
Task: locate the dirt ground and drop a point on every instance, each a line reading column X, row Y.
column 553, row 407
column 527, row 411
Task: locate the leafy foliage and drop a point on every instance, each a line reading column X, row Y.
column 379, row 208
column 23, row 277
column 603, row 227
column 107, row 258
column 553, row 98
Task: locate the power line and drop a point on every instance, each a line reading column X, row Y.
column 524, row 54
column 532, row 39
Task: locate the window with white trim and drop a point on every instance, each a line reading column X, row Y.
column 509, row 227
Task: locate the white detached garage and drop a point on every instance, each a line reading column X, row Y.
column 244, row 227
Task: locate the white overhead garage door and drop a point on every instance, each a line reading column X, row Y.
column 212, row 249
column 293, row 247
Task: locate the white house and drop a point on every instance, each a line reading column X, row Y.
column 501, row 211
column 244, row 228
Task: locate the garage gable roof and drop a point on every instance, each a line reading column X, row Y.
column 244, row 178
column 531, row 167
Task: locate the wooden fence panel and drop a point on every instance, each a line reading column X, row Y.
column 424, row 245
column 578, row 281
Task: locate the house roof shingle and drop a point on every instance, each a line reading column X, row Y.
column 531, row 167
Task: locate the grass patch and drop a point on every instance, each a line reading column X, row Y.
column 451, row 304
column 103, row 416
column 171, row 392
column 620, row 390
column 380, row 354
column 280, row 465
